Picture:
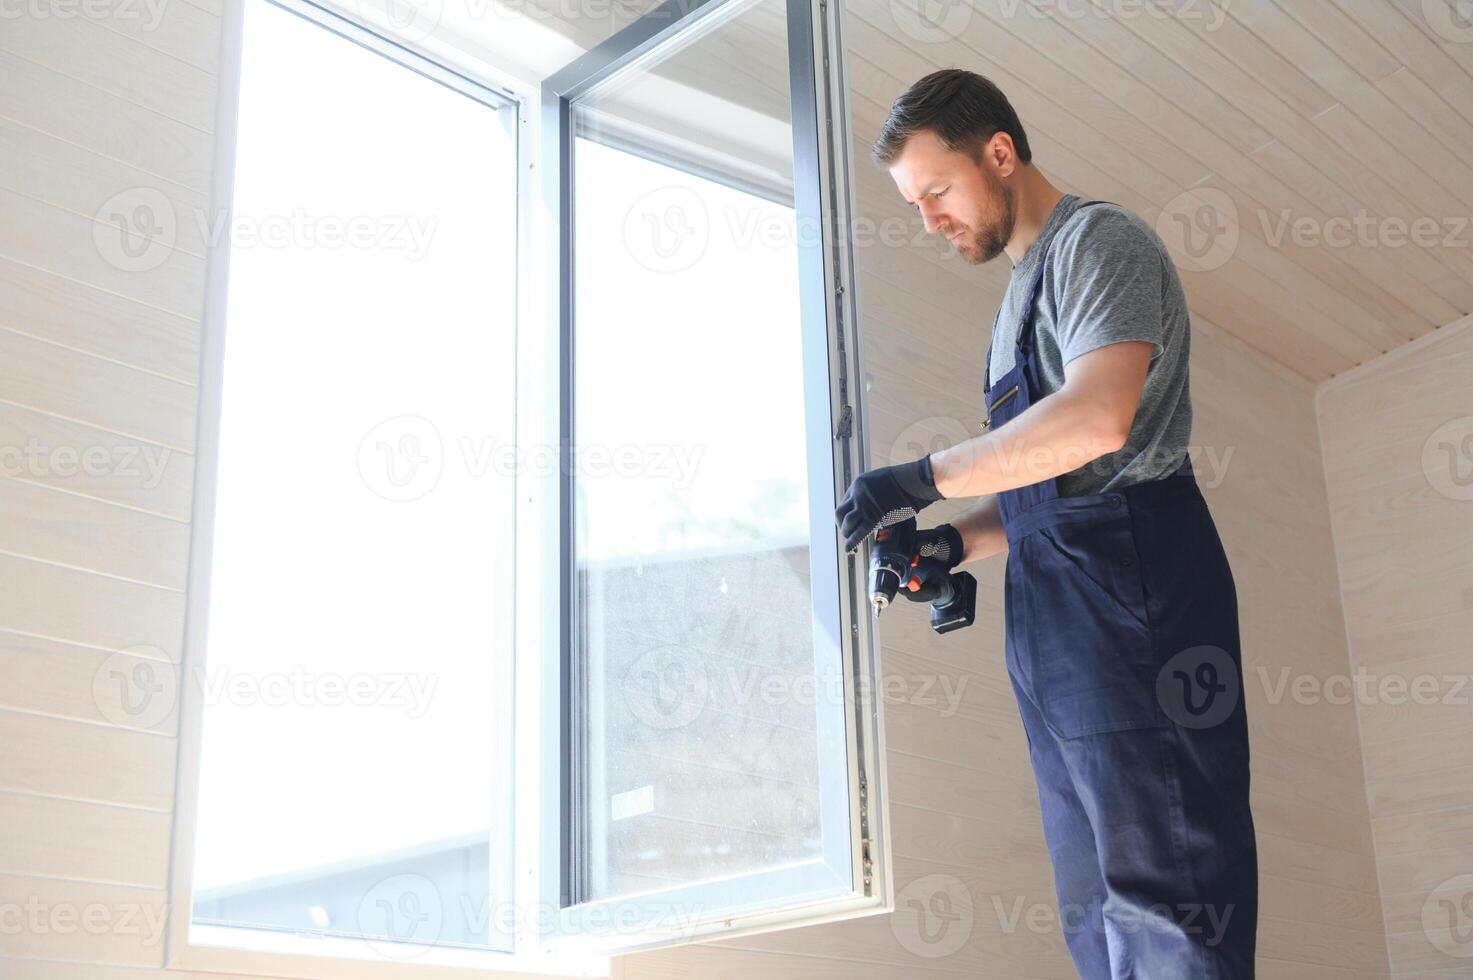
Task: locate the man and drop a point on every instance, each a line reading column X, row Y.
column 1121, row 613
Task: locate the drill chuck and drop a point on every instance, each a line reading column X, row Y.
column 889, row 562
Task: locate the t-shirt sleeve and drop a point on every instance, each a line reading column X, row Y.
column 1110, row 274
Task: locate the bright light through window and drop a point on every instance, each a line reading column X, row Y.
column 693, row 595
column 356, row 765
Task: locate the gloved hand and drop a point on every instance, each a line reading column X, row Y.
column 884, row 496
column 938, row 551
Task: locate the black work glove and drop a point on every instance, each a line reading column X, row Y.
column 885, row 496
column 938, row 551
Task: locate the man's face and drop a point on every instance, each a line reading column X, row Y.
column 970, row 205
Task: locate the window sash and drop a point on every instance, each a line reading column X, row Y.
column 853, row 875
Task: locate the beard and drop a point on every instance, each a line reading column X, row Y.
column 992, row 237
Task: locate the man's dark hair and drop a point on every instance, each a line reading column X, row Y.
column 961, row 107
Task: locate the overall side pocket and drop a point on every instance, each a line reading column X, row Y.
column 1091, row 651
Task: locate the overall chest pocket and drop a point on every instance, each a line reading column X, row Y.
column 1088, row 637
column 996, row 402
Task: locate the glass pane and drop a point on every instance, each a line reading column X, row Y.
column 692, row 613
column 356, row 774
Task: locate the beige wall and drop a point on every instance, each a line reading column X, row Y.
column 1398, row 449
column 93, row 354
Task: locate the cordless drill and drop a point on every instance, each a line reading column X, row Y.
column 889, row 571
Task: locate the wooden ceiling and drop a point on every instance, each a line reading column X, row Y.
column 1309, row 162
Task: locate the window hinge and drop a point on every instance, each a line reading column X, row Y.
column 846, row 419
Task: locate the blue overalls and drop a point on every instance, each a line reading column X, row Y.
column 1121, row 626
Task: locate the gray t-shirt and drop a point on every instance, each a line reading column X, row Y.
column 1109, row 278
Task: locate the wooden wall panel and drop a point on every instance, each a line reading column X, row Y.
column 98, row 365
column 1398, row 449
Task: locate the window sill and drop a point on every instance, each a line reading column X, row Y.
column 223, row 949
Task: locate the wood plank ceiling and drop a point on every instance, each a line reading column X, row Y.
column 1309, row 162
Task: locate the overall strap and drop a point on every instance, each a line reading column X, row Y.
column 987, row 363
column 1025, row 320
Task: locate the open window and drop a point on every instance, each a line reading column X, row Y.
column 445, row 706
column 348, row 676
column 711, row 751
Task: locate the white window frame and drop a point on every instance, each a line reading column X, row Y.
column 831, row 362
column 828, row 292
